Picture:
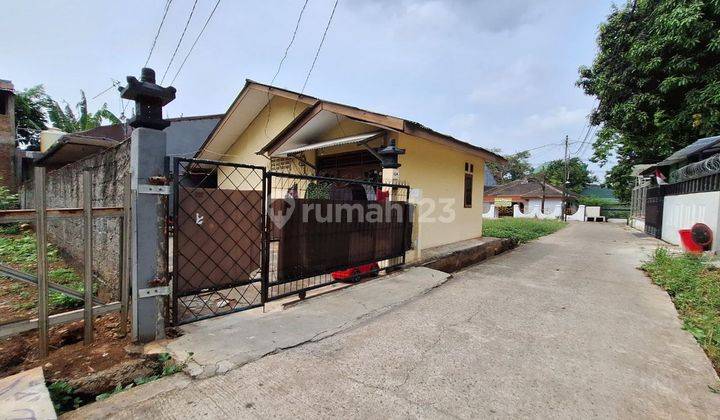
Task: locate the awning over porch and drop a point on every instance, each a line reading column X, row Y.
column 355, row 139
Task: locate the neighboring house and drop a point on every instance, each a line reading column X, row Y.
column 185, row 134
column 682, row 190
column 286, row 131
column 526, row 193
column 695, row 152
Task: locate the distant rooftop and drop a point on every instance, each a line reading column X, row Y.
column 6, row 85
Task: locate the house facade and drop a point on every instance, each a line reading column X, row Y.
column 287, row 132
column 526, row 193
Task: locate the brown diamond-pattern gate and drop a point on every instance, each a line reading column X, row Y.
column 218, row 238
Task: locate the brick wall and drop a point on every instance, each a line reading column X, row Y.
column 65, row 189
column 7, row 145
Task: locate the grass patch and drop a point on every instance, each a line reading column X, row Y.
column 521, row 230
column 695, row 289
column 20, row 250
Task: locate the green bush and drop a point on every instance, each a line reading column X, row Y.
column 695, row 290
column 63, row 396
column 521, row 230
column 8, row 200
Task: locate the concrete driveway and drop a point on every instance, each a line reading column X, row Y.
column 564, row 327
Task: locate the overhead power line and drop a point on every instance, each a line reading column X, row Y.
column 543, row 146
column 157, row 34
column 114, row 83
column 282, row 60
column 177, row 47
column 317, row 53
column 292, row 40
column 196, row 41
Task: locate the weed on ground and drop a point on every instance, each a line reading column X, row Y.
column 694, row 287
column 521, row 230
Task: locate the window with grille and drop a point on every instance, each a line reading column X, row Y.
column 469, row 169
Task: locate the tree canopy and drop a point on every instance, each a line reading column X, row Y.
column 657, row 78
column 33, row 108
column 30, row 118
column 578, row 174
column 65, row 119
column 518, row 166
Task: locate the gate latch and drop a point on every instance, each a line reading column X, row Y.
column 154, row 291
column 154, row 189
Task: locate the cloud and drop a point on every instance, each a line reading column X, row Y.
column 517, row 82
column 557, row 118
column 463, row 121
column 482, row 15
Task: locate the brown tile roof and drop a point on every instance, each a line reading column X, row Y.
column 527, row 188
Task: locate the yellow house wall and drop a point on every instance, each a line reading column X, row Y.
column 432, row 170
column 436, row 172
column 255, row 137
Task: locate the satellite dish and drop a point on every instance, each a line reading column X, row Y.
column 702, row 235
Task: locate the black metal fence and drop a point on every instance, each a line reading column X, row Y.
column 654, row 210
column 323, row 230
column 707, row 183
column 217, row 239
column 242, row 236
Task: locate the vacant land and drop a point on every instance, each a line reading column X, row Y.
column 18, row 300
column 522, row 230
column 694, row 287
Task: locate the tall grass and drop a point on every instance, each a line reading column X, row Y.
column 695, row 289
column 521, row 230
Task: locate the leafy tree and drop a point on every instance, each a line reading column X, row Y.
column 64, row 118
column 578, row 174
column 30, row 116
column 657, row 78
column 517, row 167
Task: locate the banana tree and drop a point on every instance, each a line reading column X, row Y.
column 65, row 119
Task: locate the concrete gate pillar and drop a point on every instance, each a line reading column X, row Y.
column 149, row 247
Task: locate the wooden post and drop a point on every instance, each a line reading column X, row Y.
column 40, row 229
column 126, row 229
column 88, row 254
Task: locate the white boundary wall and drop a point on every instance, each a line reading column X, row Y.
column 683, row 211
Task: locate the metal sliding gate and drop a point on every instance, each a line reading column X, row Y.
column 654, row 210
column 242, row 236
column 218, row 221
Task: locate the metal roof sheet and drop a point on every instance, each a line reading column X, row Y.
column 331, row 143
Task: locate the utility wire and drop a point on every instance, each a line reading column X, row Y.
column 177, row 47
column 157, row 34
column 282, row 60
column 114, row 83
column 196, row 41
column 317, row 53
column 585, row 139
column 292, row 40
column 543, row 146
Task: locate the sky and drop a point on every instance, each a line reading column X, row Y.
column 498, row 74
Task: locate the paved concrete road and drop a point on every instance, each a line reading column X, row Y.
column 562, row 327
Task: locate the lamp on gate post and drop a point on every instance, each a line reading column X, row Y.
column 389, row 155
column 149, row 99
